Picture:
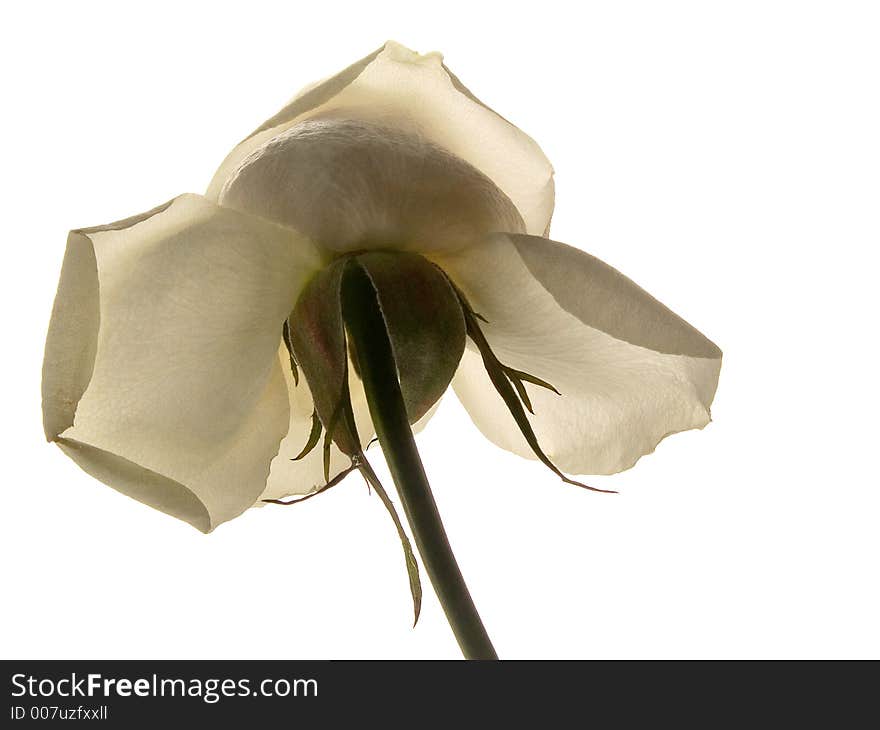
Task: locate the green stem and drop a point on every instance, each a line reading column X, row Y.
column 378, row 371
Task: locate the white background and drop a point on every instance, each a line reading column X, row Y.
column 723, row 155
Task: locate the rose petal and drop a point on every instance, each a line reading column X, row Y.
column 397, row 88
column 161, row 374
column 351, row 186
column 630, row 371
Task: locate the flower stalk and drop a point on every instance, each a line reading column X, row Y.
column 379, row 373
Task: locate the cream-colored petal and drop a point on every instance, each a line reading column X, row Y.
column 417, row 95
column 161, row 375
column 351, row 185
column 630, row 371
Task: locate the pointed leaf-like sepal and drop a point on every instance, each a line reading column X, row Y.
column 285, row 336
column 314, row 437
column 317, row 336
column 425, row 323
column 500, row 375
column 412, row 567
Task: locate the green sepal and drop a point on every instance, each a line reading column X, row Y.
column 318, row 339
column 520, row 375
column 517, row 377
column 285, row 336
column 360, row 462
column 521, row 392
column 498, row 374
column 331, row 429
column 317, row 336
column 412, row 567
column 320, row 490
column 314, row 437
column 424, row 321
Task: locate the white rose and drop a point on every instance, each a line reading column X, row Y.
column 166, row 374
